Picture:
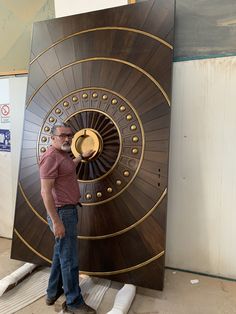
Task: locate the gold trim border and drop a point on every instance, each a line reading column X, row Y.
column 129, row 29
column 97, row 273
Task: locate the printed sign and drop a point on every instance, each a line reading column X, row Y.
column 5, row 113
column 5, row 140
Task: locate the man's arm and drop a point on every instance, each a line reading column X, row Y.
column 77, row 159
column 46, row 192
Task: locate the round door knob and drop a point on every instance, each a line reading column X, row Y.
column 85, row 140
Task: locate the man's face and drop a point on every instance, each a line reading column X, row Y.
column 61, row 139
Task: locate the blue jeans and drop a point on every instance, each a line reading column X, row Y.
column 65, row 268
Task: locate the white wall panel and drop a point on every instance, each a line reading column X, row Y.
column 5, row 171
column 71, row 7
column 17, row 97
column 201, row 228
column 13, row 91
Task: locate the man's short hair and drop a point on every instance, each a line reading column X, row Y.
column 59, row 125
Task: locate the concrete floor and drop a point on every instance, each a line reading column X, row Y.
column 180, row 296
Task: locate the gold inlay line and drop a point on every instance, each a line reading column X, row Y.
column 106, row 59
column 124, row 270
column 97, row 273
column 120, row 28
column 110, row 235
column 32, row 208
column 31, row 248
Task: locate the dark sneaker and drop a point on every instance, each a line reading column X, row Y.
column 51, row 301
column 81, row 309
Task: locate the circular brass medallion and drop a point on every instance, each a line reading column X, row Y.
column 86, row 140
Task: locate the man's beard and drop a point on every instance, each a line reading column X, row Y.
column 66, row 147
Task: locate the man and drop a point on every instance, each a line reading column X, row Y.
column 60, row 192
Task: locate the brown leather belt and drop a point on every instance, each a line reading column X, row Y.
column 66, row 206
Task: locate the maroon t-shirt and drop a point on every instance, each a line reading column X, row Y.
column 56, row 164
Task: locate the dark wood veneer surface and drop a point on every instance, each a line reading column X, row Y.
column 117, row 53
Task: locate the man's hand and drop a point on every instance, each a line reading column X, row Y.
column 85, row 155
column 58, row 229
column 88, row 153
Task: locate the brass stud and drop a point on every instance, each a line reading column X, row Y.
column 134, row 150
column 51, row 119
column 74, row 98
column 94, row 95
column 126, row 173
column 135, row 139
column 133, row 127
column 88, row 196
column 99, row 194
column 104, row 97
column 129, row 117
column 114, row 101
column 85, row 96
column 58, row 110
column 43, row 150
column 122, row 108
column 109, row 190
column 65, row 104
column 46, row 129
column 44, row 139
column 118, row 182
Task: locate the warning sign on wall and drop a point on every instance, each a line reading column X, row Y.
column 5, row 113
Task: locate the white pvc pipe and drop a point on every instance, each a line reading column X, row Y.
column 123, row 300
column 14, row 277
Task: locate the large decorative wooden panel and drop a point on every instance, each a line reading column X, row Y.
column 107, row 73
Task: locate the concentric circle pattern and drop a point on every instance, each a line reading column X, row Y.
column 113, row 119
column 108, row 75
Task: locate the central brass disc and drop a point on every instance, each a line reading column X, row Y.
column 86, row 140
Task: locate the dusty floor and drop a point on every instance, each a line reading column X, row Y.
column 180, row 296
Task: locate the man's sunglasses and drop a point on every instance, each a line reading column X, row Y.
column 64, row 135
